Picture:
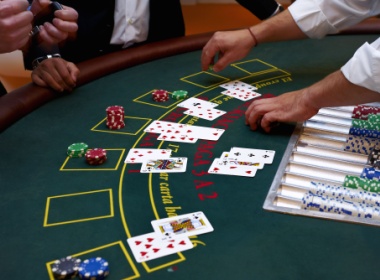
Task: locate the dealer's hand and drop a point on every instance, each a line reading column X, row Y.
column 289, row 107
column 228, row 46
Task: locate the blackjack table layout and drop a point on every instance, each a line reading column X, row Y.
column 53, row 205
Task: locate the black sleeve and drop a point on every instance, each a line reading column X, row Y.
column 166, row 20
column 262, row 9
column 36, row 50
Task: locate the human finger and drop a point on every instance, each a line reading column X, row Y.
column 208, row 54
column 268, row 121
column 73, row 70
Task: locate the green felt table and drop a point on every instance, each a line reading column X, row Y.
column 53, row 206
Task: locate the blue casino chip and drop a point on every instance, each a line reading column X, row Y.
column 93, row 269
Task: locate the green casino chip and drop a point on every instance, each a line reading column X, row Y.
column 179, row 94
column 77, row 149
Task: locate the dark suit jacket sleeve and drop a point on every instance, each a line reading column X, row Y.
column 262, row 9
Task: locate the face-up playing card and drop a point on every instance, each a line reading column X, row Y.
column 237, row 85
column 241, row 94
column 226, row 156
column 190, row 131
column 183, row 225
column 193, row 103
column 222, row 167
column 175, row 137
column 205, row 113
column 166, row 165
column 139, row 155
column 253, row 155
column 164, row 127
column 202, row 132
column 152, row 246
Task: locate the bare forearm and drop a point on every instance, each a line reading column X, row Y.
column 336, row 90
column 282, row 27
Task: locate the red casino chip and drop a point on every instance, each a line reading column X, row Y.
column 115, row 125
column 160, row 95
column 115, row 117
column 115, row 110
column 96, row 156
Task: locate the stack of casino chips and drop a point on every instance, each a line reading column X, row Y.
column 93, row 269
column 96, row 156
column 311, row 201
column 368, row 128
column 355, row 182
column 360, row 144
column 115, row 117
column 77, row 149
column 348, row 194
column 362, row 111
column 179, row 94
column 160, row 95
column 66, row 268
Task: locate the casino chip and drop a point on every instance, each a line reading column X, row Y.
column 65, row 268
column 115, row 117
column 77, row 149
column 160, row 95
column 96, row 156
column 93, row 269
column 179, row 94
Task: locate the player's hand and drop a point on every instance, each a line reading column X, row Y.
column 229, row 46
column 15, row 24
column 64, row 24
column 288, row 107
column 56, row 73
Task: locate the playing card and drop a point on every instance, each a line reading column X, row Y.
column 241, row 94
column 164, row 127
column 183, row 225
column 226, row 156
column 222, row 167
column 175, row 137
column 237, row 85
column 190, row 131
column 193, row 103
column 166, row 165
column 202, row 132
column 152, row 246
column 139, row 155
column 205, row 113
column 256, row 155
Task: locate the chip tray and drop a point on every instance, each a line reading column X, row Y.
column 317, row 160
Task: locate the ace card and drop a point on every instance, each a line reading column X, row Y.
column 196, row 103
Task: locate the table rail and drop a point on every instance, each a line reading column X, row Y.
column 22, row 101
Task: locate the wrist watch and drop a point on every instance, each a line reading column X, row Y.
column 38, row 60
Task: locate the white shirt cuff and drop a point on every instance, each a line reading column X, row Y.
column 310, row 19
column 363, row 69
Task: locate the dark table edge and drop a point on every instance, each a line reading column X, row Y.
column 22, row 101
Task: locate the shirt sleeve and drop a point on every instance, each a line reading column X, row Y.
column 317, row 18
column 363, row 69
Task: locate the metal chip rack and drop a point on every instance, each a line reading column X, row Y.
column 315, row 166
